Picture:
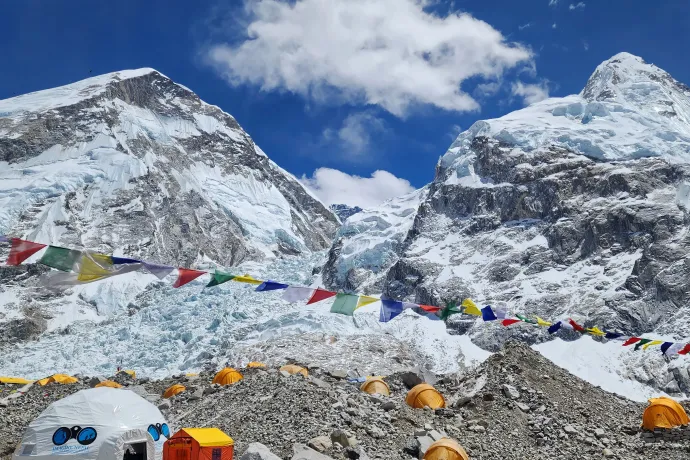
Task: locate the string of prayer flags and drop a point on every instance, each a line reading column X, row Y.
column 219, row 278
column 319, row 295
column 295, row 294
column 185, row 275
column 158, row 270
column 365, row 300
column 22, row 250
column 389, row 309
column 345, row 304
column 270, row 286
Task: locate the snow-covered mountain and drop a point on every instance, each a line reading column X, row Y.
column 344, row 211
column 572, row 207
column 133, row 164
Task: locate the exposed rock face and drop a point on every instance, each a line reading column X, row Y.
column 132, row 163
column 344, row 211
column 574, row 207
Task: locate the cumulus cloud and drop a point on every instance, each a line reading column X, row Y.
column 336, row 187
column 579, row 6
column 354, row 137
column 530, row 93
column 389, row 53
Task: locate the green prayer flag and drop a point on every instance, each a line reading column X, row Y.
column 451, row 309
column 526, row 320
column 641, row 342
column 345, row 304
column 60, row 258
column 220, row 278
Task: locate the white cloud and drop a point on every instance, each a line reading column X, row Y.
column 579, row 6
column 487, row 89
column 336, row 187
column 553, row 2
column 585, row 45
column 530, row 93
column 525, row 26
column 353, row 138
column 554, row 26
column 390, row 53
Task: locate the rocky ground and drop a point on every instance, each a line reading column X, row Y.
column 517, row 405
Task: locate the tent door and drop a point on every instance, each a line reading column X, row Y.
column 135, row 451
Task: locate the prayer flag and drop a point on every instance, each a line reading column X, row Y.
column 319, row 295
column 93, row 267
column 345, row 304
column 631, row 340
column 488, row 314
column 576, row 326
column 471, row 308
column 159, row 271
column 652, row 343
column 4, row 239
column 674, row 349
column 451, row 309
column 525, row 319
column 297, row 293
column 124, row 260
column 62, row 259
column 542, row 323
column 641, row 343
column 219, row 278
column 554, row 327
column 270, row 286
column 430, row 308
column 665, row 346
column 365, row 300
column 22, row 250
column 596, row 331
column 185, row 275
column 613, row 335
column 500, row 312
column 389, row 309
column 685, row 350
column 246, row 279
column 510, row 321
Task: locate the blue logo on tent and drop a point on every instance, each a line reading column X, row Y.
column 165, row 431
column 83, row 436
column 153, row 431
column 61, row 436
column 86, row 436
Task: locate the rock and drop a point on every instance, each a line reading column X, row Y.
column 319, row 383
column 320, row 443
column 462, row 401
column 423, row 444
column 302, row 452
column 488, row 397
column 411, row 379
column 95, row 381
column 435, row 435
column 388, row 406
column 477, row 428
column 569, row 429
column 257, row 451
column 338, row 374
column 510, row 392
column 343, row 438
column 608, row 453
column 356, row 453
column 209, row 390
column 599, row 433
column 285, row 374
column 523, row 407
column 411, row 447
column 164, row 405
column 197, row 395
column 376, row 432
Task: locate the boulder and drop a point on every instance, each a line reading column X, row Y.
column 510, row 392
column 257, row 451
column 411, row 378
column 95, row 381
column 320, row 443
column 302, row 452
column 343, row 438
column 338, row 374
column 423, row 444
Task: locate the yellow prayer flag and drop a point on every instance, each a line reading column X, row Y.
column 471, row 308
column 652, row 343
column 542, row 323
column 365, row 300
column 93, row 266
column 596, row 331
column 246, row 279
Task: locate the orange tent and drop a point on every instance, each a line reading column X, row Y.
column 62, row 379
column 663, row 413
column 375, row 385
column 293, row 369
column 227, row 376
column 174, row 390
column 199, row 444
column 109, row 384
column 424, row 395
column 445, row 449
column 256, row 365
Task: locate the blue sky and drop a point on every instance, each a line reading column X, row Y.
column 340, row 84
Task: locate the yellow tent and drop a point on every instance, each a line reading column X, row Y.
column 174, row 390
column 129, row 372
column 446, row 449
column 424, row 395
column 14, row 380
column 256, row 365
column 109, row 384
column 62, row 379
column 375, row 385
column 293, row 369
column 663, row 413
column 192, row 374
column 227, row 376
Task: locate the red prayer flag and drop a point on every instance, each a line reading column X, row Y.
column 685, row 350
column 631, row 340
column 319, row 295
column 185, row 275
column 508, row 322
column 576, row 326
column 430, row 308
column 22, row 250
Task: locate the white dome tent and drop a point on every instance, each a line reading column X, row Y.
column 96, row 424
